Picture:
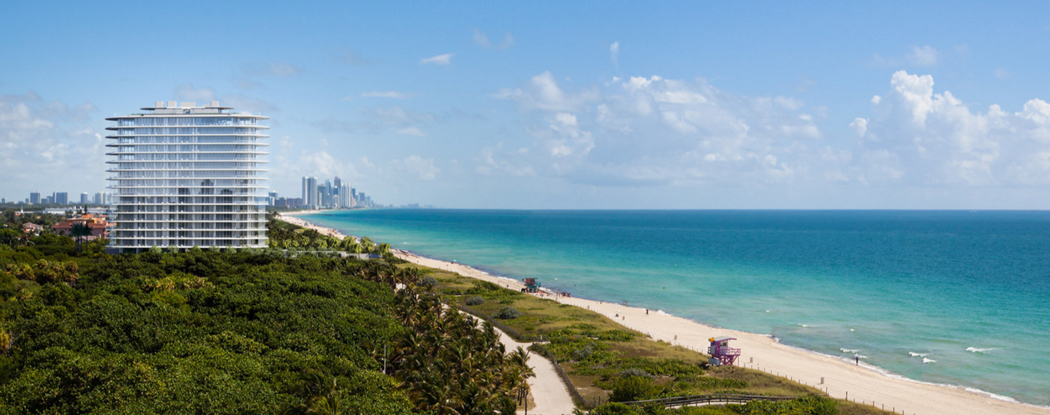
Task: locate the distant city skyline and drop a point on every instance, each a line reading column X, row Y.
column 678, row 105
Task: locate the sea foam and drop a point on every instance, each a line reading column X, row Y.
column 980, row 350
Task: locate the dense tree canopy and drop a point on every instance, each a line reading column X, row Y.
column 235, row 332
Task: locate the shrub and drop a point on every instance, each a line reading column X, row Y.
column 475, row 301
column 635, row 372
column 632, row 388
column 582, row 354
column 428, row 282
column 507, row 313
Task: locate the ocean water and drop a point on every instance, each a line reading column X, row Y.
column 951, row 297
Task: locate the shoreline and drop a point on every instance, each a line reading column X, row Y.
column 863, row 383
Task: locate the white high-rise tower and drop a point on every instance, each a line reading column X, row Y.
column 188, row 176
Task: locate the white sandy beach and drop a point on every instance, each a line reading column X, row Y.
column 864, row 384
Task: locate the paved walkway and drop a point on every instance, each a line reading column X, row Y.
column 548, row 391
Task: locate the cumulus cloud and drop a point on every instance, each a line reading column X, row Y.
column 543, row 93
column 936, row 139
column 323, row 164
column 437, row 60
column 491, row 161
column 384, row 94
column 483, row 41
column 614, row 53
column 49, row 146
column 652, row 130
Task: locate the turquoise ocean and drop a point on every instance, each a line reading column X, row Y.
column 949, row 297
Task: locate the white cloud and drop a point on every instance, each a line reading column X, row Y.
column 652, row 130
column 384, row 94
column 322, row 164
column 483, row 41
column 543, row 93
column 412, row 131
column 398, row 116
column 918, row 56
column 437, row 60
column 614, row 52
column 282, row 69
column 186, row 92
column 48, row 147
column 935, row 139
column 491, row 164
column 923, row 56
column 422, row 168
column 859, row 126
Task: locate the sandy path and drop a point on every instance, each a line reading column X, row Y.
column 863, row 383
column 548, row 392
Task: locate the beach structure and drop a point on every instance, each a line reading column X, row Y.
column 531, row 286
column 187, row 176
column 721, row 353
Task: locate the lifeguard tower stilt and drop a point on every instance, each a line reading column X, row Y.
column 721, row 353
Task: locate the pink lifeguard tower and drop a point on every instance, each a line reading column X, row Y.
column 721, row 353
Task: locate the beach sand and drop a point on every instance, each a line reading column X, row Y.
column 863, row 384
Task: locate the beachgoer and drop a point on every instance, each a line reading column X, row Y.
column 647, row 311
column 858, row 360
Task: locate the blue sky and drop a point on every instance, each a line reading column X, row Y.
column 555, row 105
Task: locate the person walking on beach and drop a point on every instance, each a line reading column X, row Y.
column 857, row 358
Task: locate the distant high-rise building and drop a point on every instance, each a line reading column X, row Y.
column 272, row 199
column 62, row 198
column 328, row 194
column 310, row 198
column 98, row 198
column 188, row 176
column 34, row 198
column 345, row 201
column 84, row 199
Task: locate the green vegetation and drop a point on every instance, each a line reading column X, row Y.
column 236, row 331
column 608, row 363
column 284, row 235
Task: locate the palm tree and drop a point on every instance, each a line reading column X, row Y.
column 78, row 232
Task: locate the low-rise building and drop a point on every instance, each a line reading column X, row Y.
column 96, row 223
column 32, row 228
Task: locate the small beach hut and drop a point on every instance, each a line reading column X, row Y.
column 531, row 286
column 721, row 353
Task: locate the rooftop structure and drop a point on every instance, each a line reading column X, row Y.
column 188, row 176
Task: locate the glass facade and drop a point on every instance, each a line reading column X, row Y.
column 188, row 176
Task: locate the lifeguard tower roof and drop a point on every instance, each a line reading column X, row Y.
column 724, row 338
